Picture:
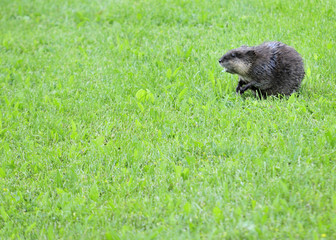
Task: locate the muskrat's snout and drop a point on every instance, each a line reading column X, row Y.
column 221, row 60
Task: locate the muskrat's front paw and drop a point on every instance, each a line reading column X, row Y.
column 238, row 89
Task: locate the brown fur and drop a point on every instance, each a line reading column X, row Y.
column 272, row 68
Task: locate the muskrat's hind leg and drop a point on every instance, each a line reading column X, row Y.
column 258, row 93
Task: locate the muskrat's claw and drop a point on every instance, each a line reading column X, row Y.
column 238, row 89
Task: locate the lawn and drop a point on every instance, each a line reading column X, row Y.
column 117, row 122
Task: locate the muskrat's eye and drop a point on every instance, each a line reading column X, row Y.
column 233, row 55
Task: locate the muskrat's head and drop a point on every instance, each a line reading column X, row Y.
column 238, row 61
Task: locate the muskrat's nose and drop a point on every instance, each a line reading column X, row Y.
column 220, row 60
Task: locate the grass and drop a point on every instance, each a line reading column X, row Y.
column 116, row 122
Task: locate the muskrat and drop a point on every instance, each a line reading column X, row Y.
column 270, row 69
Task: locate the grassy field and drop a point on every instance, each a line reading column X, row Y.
column 117, row 122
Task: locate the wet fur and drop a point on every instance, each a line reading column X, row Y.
column 269, row 69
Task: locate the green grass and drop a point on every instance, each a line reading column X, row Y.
column 116, row 121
